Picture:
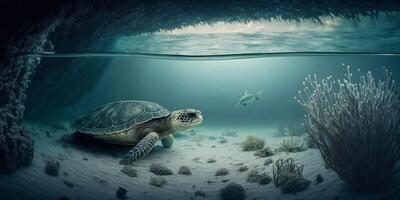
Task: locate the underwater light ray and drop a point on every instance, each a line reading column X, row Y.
column 205, row 57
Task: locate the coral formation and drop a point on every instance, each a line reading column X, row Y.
column 232, row 191
column 52, row 167
column 130, row 171
column 252, row 143
column 355, row 126
column 222, row 172
column 159, row 169
column 185, row 170
column 158, row 181
column 264, row 152
column 292, row 145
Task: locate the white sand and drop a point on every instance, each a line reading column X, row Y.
column 99, row 176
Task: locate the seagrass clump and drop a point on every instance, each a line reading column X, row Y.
column 355, row 123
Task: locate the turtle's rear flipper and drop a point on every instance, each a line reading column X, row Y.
column 141, row 149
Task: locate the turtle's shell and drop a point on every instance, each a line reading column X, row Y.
column 118, row 116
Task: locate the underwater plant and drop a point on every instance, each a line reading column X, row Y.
column 292, row 145
column 158, row 181
column 158, row 169
column 282, row 168
column 253, row 175
column 252, row 143
column 287, row 174
column 232, row 191
column 355, row 125
column 185, row 170
column 264, row 152
column 222, row 172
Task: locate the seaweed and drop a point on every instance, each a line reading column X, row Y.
column 253, row 175
column 282, row 168
column 252, row 143
column 287, row 174
column 292, row 145
column 264, row 152
column 159, row 169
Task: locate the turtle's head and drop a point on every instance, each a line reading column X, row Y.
column 185, row 119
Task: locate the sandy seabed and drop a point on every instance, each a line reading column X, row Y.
column 93, row 173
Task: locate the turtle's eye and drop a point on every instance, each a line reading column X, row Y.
column 191, row 114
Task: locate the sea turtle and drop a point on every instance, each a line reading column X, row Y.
column 138, row 123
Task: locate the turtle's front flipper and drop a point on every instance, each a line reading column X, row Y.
column 141, row 149
column 167, row 141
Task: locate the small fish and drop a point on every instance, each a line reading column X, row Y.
column 248, row 98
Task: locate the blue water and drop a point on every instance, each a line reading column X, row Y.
column 215, row 86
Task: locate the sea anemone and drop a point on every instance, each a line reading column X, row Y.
column 158, row 169
column 252, row 143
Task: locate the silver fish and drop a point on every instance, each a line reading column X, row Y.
column 248, row 98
